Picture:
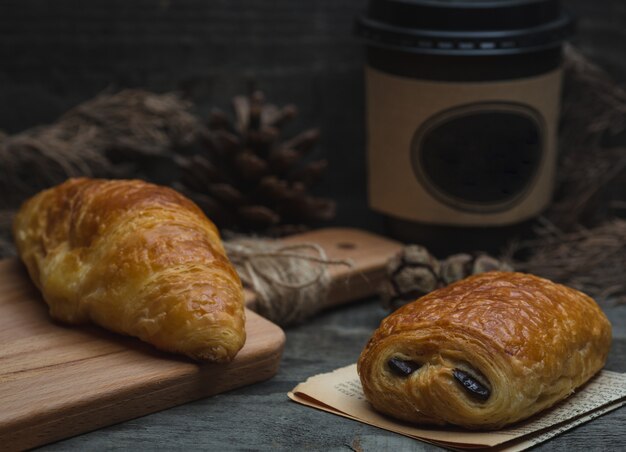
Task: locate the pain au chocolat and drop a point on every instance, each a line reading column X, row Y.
column 485, row 352
column 136, row 258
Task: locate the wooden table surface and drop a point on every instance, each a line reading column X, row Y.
column 260, row 417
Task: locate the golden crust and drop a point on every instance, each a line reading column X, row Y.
column 529, row 341
column 136, row 258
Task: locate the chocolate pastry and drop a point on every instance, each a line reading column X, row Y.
column 485, row 352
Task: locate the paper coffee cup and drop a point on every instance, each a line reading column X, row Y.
column 462, row 109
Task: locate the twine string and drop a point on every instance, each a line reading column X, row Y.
column 291, row 281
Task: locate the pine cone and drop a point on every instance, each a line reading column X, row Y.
column 414, row 272
column 246, row 179
column 411, row 273
column 459, row 266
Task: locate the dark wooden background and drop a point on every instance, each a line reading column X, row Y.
column 54, row 55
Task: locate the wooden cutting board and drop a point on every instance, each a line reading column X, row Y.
column 58, row 381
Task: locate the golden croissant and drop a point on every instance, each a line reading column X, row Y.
column 485, row 352
column 136, row 258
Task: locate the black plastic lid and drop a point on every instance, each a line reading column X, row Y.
column 465, row 27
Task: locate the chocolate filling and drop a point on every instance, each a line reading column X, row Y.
column 472, row 385
column 401, row 367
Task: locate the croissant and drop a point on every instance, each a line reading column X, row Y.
column 136, row 258
column 485, row 352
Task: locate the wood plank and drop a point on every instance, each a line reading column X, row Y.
column 57, row 381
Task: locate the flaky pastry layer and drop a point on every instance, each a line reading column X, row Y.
column 485, row 352
column 136, row 258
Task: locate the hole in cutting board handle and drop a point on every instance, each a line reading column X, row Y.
column 346, row 246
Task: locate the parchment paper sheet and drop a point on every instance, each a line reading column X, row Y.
column 339, row 392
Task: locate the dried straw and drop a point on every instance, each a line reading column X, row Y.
column 591, row 260
column 593, row 111
column 579, row 242
column 103, row 137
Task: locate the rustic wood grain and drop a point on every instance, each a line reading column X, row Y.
column 58, row 381
column 273, row 423
column 55, row 56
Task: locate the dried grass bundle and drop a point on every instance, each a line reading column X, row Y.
column 593, row 111
column 579, row 241
column 591, row 260
column 104, row 137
